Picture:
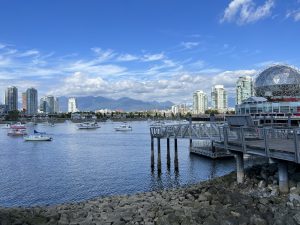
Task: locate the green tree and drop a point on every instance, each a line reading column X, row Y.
column 13, row 115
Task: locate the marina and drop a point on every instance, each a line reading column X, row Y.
column 76, row 164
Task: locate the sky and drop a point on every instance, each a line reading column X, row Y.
column 143, row 49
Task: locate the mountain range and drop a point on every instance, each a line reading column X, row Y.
column 91, row 103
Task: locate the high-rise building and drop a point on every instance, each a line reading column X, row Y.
column 179, row 109
column 219, row 98
column 24, row 102
column 47, row 104
column 11, row 98
column 72, row 105
column 31, row 101
column 244, row 89
column 200, row 102
column 56, row 105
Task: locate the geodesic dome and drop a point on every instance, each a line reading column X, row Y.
column 279, row 80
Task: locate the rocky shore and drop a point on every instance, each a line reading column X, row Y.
column 220, row 201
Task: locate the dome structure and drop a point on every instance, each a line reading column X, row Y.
column 278, row 81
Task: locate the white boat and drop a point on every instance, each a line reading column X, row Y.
column 157, row 124
column 37, row 137
column 7, row 126
column 18, row 126
column 123, row 127
column 16, row 132
column 88, row 125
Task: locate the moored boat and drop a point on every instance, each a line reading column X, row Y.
column 18, row 126
column 88, row 125
column 123, row 127
column 16, row 132
column 157, row 124
column 37, row 137
column 7, row 126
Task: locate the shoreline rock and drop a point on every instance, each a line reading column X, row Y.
column 220, row 201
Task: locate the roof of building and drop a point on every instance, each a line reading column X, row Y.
column 278, row 75
column 255, row 99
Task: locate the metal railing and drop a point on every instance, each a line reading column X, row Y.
column 268, row 142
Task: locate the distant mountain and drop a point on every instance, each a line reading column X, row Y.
column 91, row 103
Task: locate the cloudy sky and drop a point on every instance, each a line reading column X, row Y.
column 144, row 49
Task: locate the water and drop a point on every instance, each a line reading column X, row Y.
column 82, row 164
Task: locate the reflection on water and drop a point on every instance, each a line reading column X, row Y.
column 82, row 164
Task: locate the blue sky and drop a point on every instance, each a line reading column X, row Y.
column 144, row 49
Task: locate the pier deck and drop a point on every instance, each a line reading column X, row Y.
column 267, row 142
column 280, row 145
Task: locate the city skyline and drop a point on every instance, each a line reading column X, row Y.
column 138, row 52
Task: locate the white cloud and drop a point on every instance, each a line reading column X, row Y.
column 295, row 14
column 31, row 52
column 93, row 67
column 127, row 57
column 153, row 57
column 189, row 45
column 103, row 55
column 2, row 46
column 176, row 88
column 246, row 11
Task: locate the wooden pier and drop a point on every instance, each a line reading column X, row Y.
column 280, row 145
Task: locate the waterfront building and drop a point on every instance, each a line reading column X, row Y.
column 11, row 98
column 72, row 105
column 24, row 102
column 244, row 89
column 219, row 98
column 31, row 101
column 200, row 102
column 56, row 105
column 3, row 110
column 47, row 104
column 179, row 109
column 277, row 93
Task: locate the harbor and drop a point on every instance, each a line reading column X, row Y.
column 74, row 165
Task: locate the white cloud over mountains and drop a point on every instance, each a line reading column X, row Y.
column 246, row 11
column 153, row 76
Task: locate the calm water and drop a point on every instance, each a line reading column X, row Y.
column 81, row 164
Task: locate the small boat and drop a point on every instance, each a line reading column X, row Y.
column 157, row 124
column 88, row 125
column 38, row 136
column 7, row 126
column 123, row 127
column 16, row 132
column 18, row 126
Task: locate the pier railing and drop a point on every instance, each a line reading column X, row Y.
column 267, row 142
column 202, row 131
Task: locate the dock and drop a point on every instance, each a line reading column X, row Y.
column 236, row 138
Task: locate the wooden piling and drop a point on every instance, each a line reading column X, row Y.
column 152, row 153
column 168, row 154
column 175, row 155
column 158, row 156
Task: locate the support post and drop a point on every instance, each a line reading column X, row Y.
column 175, row 155
column 191, row 143
column 283, row 177
column 168, row 154
column 271, row 161
column 158, row 156
column 239, row 167
column 152, row 153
